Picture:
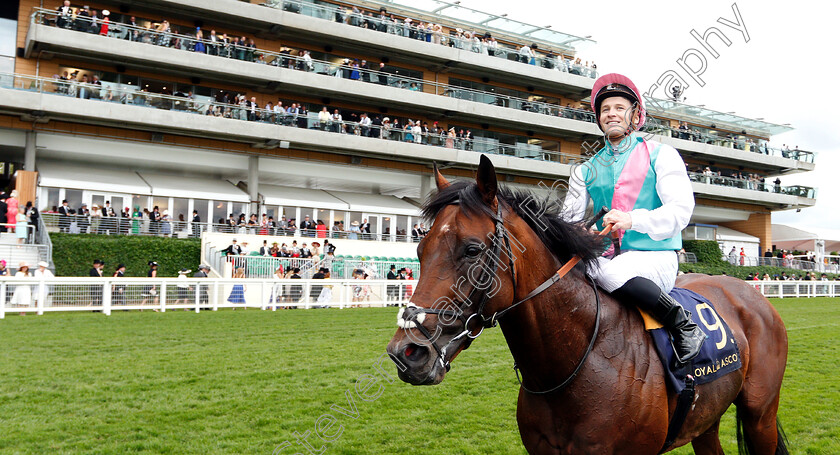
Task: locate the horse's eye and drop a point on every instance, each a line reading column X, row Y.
column 472, row 251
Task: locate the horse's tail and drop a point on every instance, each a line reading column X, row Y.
column 745, row 444
column 782, row 442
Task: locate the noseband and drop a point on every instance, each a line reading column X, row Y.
column 412, row 316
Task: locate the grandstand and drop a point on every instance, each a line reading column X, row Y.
column 334, row 111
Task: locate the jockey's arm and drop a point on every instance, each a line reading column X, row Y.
column 674, row 190
column 577, row 197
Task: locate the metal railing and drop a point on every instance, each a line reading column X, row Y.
column 266, row 266
column 42, row 237
column 143, row 226
column 11, row 229
column 796, row 264
column 31, row 295
column 755, row 185
column 112, row 93
column 737, row 143
column 398, row 27
column 801, row 288
column 285, row 60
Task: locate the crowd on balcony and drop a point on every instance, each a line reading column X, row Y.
column 728, row 177
column 470, row 40
column 243, row 48
column 725, row 139
column 242, row 107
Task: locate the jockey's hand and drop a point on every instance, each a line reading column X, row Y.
column 620, row 219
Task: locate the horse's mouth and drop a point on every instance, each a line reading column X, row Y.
column 431, row 377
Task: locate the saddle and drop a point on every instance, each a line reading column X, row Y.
column 719, row 355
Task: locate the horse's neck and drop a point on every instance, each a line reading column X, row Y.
column 548, row 335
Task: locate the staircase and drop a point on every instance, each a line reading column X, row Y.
column 29, row 253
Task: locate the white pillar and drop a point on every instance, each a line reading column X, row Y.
column 254, row 184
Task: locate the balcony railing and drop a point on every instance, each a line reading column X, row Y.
column 736, row 143
column 398, row 27
column 286, row 60
column 755, row 185
column 130, row 95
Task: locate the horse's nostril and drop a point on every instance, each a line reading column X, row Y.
column 414, row 352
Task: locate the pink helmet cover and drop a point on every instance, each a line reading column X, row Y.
column 615, row 78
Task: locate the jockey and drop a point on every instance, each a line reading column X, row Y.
column 645, row 186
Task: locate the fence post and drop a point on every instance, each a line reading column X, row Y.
column 163, row 297
column 263, row 300
column 197, row 297
column 106, row 298
column 42, row 293
column 216, row 295
column 2, row 300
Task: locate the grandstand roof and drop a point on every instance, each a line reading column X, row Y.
column 481, row 21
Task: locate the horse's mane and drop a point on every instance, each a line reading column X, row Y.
column 564, row 239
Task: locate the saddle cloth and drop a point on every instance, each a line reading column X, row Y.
column 719, row 355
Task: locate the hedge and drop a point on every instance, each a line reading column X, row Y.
column 707, row 251
column 74, row 254
column 743, row 272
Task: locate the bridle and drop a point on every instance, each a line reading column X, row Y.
column 414, row 315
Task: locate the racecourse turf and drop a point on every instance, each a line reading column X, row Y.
column 242, row 382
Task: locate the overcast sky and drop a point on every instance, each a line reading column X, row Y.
column 786, row 73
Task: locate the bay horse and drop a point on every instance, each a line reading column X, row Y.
column 490, row 247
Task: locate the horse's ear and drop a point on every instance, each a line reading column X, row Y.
column 486, row 181
column 440, row 180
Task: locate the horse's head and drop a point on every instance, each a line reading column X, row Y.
column 467, row 273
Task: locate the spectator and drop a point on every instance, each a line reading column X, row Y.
column 183, row 287
column 22, row 297
column 295, row 290
column 237, row 293
column 11, row 209
column 3, row 270
column 321, row 229
column 307, row 226
column 201, row 289
column 392, row 291
column 233, row 249
column 96, row 290
column 150, row 290
column 118, row 291
column 355, row 231
column 42, row 274
column 22, row 228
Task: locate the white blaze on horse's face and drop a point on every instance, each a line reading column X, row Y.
column 406, row 324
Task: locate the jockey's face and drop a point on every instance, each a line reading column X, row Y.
column 616, row 116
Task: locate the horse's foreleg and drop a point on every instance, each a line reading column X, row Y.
column 708, row 443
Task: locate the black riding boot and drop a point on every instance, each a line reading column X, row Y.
column 687, row 338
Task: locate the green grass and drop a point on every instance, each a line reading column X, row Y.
column 242, row 382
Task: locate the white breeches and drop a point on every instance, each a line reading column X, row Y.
column 658, row 266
